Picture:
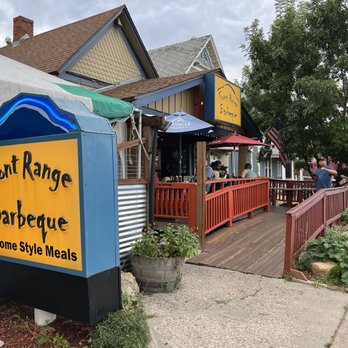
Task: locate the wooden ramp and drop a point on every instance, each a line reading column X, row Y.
column 251, row 245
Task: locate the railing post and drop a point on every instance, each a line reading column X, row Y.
column 266, row 209
column 273, row 191
column 192, row 211
column 201, row 179
column 289, row 194
column 324, row 210
column 289, row 243
column 230, row 206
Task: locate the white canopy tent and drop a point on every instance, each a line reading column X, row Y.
column 18, row 78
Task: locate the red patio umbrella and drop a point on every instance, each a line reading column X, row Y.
column 235, row 139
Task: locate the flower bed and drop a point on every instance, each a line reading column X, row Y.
column 17, row 329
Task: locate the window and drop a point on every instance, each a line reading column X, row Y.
column 279, row 170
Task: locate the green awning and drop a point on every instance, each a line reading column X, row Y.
column 116, row 110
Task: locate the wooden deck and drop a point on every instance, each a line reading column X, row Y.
column 251, row 245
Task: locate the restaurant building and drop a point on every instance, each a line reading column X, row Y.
column 106, row 54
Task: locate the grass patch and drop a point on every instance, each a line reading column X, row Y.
column 225, row 302
column 287, row 277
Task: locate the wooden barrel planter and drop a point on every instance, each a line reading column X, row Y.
column 157, row 274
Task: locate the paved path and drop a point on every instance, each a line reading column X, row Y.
column 341, row 338
column 221, row 308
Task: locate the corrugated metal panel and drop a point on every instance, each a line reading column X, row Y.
column 132, row 211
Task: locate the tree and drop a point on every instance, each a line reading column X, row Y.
column 297, row 76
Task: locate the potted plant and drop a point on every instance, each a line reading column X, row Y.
column 158, row 257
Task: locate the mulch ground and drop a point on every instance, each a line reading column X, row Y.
column 18, row 330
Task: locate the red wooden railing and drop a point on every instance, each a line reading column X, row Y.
column 176, row 200
column 237, row 198
column 309, row 220
column 229, row 199
column 290, row 191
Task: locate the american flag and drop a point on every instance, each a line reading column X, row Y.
column 273, row 135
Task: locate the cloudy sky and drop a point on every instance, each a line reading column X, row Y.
column 159, row 22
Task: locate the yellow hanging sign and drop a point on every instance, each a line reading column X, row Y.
column 227, row 101
column 40, row 204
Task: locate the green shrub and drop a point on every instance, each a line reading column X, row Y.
column 344, row 217
column 146, row 246
column 170, row 242
column 333, row 246
column 335, row 275
column 126, row 328
column 60, row 342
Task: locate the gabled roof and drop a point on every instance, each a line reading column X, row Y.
column 180, row 57
column 133, row 90
column 50, row 51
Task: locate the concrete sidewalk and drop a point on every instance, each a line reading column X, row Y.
column 221, row 308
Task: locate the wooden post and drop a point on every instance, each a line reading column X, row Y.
column 230, row 207
column 192, row 199
column 152, row 177
column 289, row 244
column 266, row 208
column 289, row 194
column 201, row 178
column 324, row 213
column 243, row 158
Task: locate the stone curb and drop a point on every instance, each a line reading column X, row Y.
column 319, row 285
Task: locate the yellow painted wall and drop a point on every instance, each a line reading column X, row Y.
column 109, row 60
column 180, row 101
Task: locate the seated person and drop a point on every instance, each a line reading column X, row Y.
column 342, row 175
column 215, row 166
column 223, row 172
column 248, row 172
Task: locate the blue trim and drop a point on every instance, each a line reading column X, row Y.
column 131, row 51
column 166, row 92
column 117, row 229
column 133, row 30
column 40, row 139
column 82, row 210
column 209, row 97
column 89, row 44
column 44, row 106
column 69, row 76
column 77, row 56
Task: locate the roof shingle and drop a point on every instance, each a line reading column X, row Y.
column 50, row 50
column 177, row 58
column 133, row 90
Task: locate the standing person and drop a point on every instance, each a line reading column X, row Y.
column 248, row 172
column 172, row 168
column 342, row 175
column 324, row 174
column 209, row 173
